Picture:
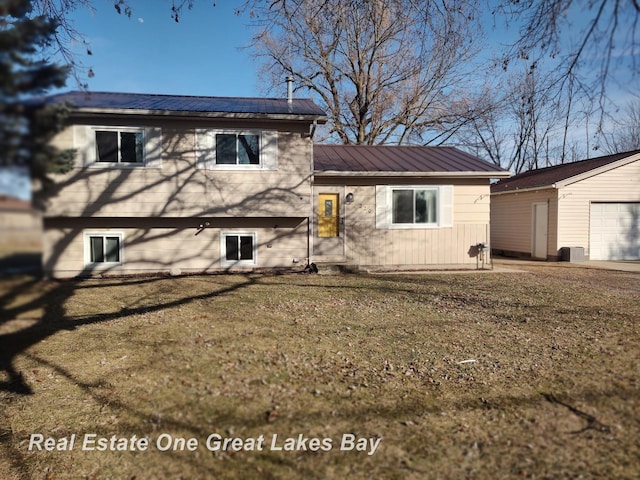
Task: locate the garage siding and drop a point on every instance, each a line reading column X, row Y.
column 617, row 185
column 511, row 221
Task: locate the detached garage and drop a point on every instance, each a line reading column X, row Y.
column 588, row 209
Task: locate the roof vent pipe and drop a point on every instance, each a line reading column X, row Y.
column 289, row 89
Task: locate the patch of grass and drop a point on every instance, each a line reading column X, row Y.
column 459, row 376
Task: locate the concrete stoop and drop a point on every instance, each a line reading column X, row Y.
column 336, row 268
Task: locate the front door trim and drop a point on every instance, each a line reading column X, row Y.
column 331, row 246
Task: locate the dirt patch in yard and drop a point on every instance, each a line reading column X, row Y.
column 490, row 376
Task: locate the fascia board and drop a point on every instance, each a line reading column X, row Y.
column 188, row 114
column 525, row 190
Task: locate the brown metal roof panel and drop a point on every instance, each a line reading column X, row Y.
column 548, row 176
column 397, row 159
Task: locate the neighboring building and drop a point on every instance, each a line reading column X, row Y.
column 20, row 225
column 201, row 184
column 591, row 206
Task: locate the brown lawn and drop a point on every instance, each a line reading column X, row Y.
column 484, row 376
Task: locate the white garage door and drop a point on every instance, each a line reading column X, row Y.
column 614, row 232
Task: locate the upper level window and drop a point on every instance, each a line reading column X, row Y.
column 237, row 149
column 114, row 146
column 118, row 146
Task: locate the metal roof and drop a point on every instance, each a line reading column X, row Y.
column 188, row 104
column 400, row 160
column 548, row 176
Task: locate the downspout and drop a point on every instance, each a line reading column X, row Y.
column 309, row 219
column 309, row 239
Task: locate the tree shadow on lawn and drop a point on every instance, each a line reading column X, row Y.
column 21, row 263
column 54, row 296
column 50, row 297
column 52, row 302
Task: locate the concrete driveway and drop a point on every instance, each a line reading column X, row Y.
column 620, row 265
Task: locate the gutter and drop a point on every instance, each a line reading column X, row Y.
column 528, row 189
column 336, row 173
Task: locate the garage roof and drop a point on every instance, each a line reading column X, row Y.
column 388, row 160
column 550, row 176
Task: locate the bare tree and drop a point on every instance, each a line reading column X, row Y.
column 624, row 134
column 583, row 40
column 66, row 35
column 524, row 126
column 387, row 71
column 67, row 38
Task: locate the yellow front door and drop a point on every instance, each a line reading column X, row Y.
column 328, row 217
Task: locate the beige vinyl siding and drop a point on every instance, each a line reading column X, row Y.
column 179, row 189
column 368, row 246
column 620, row 184
column 149, row 246
column 512, row 222
column 445, row 246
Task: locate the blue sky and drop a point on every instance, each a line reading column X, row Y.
column 203, row 54
column 151, row 53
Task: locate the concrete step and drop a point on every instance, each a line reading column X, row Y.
column 335, row 268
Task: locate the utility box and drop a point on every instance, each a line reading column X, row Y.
column 573, row 254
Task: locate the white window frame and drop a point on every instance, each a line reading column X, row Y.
column 87, row 234
column 236, row 135
column 85, row 144
column 206, row 149
column 118, row 131
column 414, row 224
column 238, row 263
column 384, row 207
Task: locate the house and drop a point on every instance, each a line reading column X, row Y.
column 400, row 207
column 586, row 209
column 183, row 184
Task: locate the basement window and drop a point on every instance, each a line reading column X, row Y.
column 238, row 248
column 103, row 248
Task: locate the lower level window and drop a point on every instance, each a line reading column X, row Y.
column 238, row 248
column 103, row 248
